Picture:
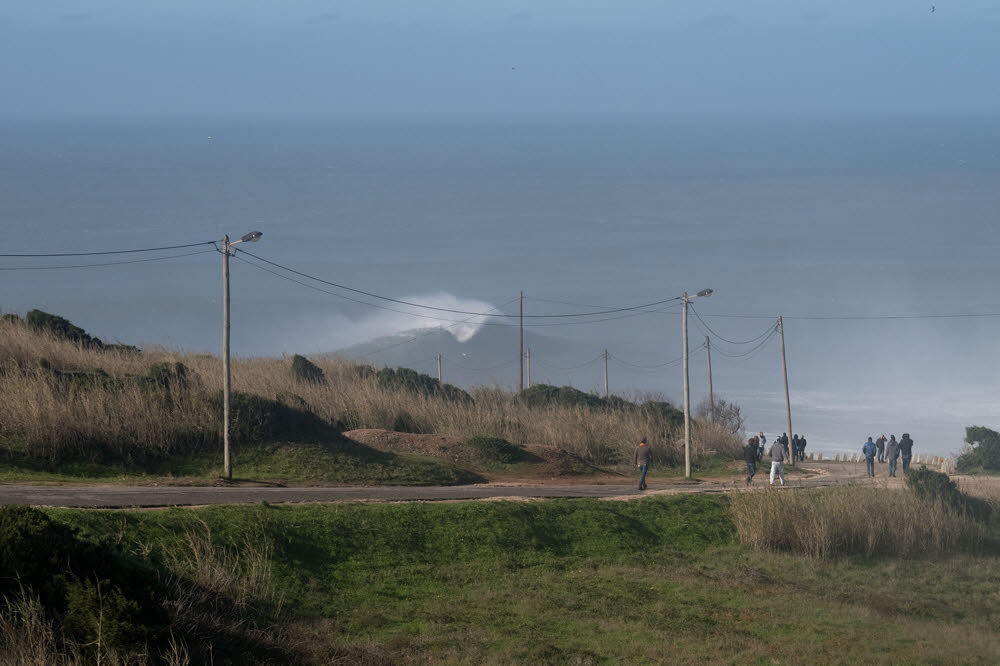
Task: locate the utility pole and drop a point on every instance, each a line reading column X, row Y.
column 784, row 369
column 227, row 468
column 440, row 375
column 607, row 392
column 528, row 363
column 687, row 393
column 252, row 237
column 711, row 394
column 520, row 355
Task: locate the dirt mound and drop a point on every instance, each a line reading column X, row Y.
column 403, row 442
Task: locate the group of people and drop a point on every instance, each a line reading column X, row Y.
column 753, row 453
column 890, row 451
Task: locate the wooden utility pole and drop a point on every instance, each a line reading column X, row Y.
column 607, row 392
column 520, row 354
column 527, row 360
column 440, row 374
column 784, row 369
column 227, row 469
column 687, row 392
column 711, row 394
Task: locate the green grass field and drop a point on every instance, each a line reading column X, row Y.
column 577, row 581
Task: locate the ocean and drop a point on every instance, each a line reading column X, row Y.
column 800, row 217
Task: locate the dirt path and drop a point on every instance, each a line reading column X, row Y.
column 808, row 475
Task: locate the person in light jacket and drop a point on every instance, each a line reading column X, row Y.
column 778, row 454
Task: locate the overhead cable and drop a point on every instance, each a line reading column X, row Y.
column 450, row 310
column 104, row 252
column 109, row 263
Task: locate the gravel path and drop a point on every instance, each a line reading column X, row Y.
column 118, row 496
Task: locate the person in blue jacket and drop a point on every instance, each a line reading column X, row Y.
column 869, row 449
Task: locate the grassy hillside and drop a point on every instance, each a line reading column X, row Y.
column 72, row 404
column 571, row 581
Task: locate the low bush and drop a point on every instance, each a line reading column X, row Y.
column 493, row 450
column 932, row 486
column 96, row 595
column 305, row 370
column 61, row 327
column 416, row 382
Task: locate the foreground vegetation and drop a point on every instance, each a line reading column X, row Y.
column 75, row 405
column 686, row 579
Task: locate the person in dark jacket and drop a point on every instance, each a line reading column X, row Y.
column 892, row 454
column 906, row 451
column 880, row 445
column 750, row 456
column 643, row 458
column 869, row 450
column 802, row 448
column 795, row 447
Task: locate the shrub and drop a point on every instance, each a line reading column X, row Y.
column 983, row 451
column 544, row 395
column 496, row 450
column 415, row 382
column 169, row 375
column 61, row 327
column 932, row 486
column 98, row 594
column 305, row 370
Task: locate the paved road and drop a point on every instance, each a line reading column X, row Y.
column 107, row 496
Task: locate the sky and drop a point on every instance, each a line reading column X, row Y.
column 504, row 57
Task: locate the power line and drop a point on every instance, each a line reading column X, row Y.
column 486, row 369
column 433, row 330
column 674, row 361
column 449, row 310
column 104, row 252
column 960, row 315
column 708, row 329
column 110, row 263
column 430, row 317
column 570, row 369
column 750, row 353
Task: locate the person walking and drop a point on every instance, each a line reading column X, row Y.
column 892, row 454
column 760, row 446
column 869, row 450
column 750, row 456
column 778, row 455
column 880, row 445
column 802, row 448
column 906, row 451
column 643, row 458
column 795, row 447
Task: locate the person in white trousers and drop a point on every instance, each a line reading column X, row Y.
column 778, row 455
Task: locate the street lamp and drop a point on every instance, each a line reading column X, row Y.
column 685, row 299
column 252, row 237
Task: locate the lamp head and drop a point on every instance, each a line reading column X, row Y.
column 704, row 293
column 251, row 237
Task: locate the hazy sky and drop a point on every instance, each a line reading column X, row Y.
column 507, row 57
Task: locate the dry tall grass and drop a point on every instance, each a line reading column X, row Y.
column 834, row 522
column 983, row 487
column 130, row 421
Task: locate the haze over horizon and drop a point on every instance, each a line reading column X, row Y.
column 836, row 160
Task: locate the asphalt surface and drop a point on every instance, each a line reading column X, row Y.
column 117, row 496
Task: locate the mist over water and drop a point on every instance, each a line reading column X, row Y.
column 861, row 216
